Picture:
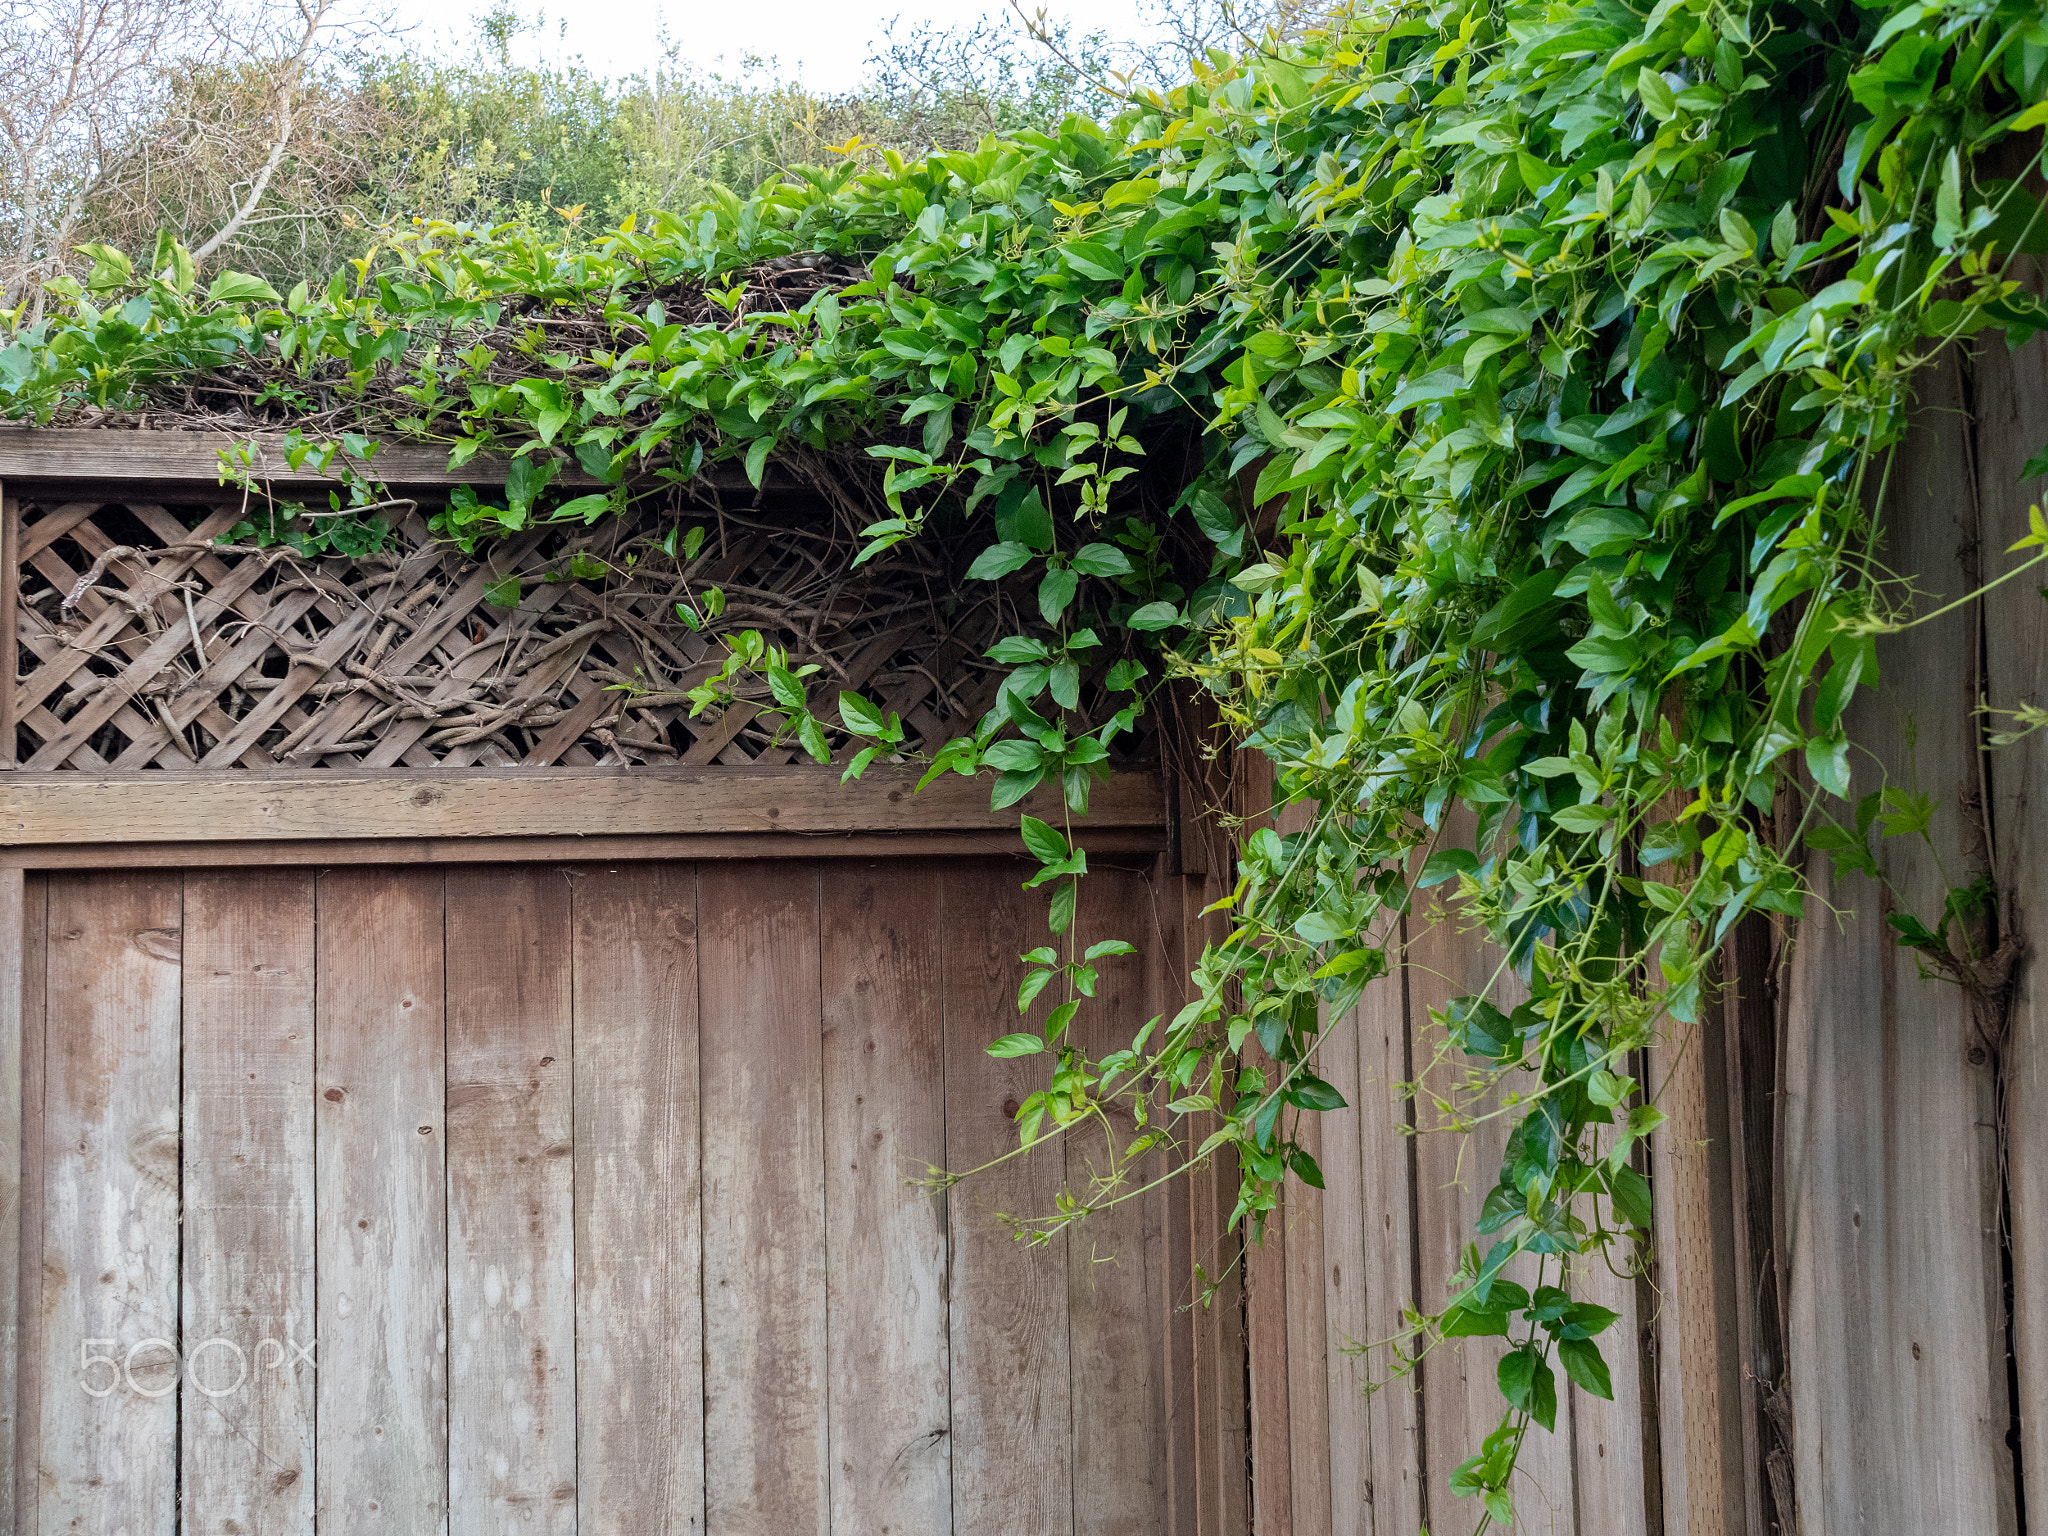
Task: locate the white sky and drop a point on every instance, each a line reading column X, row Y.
column 823, row 43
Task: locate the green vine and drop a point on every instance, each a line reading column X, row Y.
column 1549, row 358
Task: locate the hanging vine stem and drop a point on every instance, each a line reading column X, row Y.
column 1544, row 363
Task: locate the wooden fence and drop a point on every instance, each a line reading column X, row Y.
column 1844, row 1324
column 1843, row 1327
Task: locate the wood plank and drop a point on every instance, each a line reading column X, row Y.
column 639, row 1308
column 1216, row 1254
column 2011, row 425
column 247, row 1395
column 765, row 1434
column 1346, row 1311
column 1895, row 1298
column 1311, row 1353
column 10, row 603
column 382, row 1202
column 1266, row 1341
column 1454, row 1173
column 86, row 453
column 14, row 959
column 20, row 1494
column 169, row 805
column 1699, row 1356
column 1012, row 1393
column 1117, row 1287
column 1389, row 1263
column 512, row 849
column 885, row 1127
column 110, row 1225
column 511, row 1194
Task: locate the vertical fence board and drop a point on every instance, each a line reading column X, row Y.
column 639, row 1313
column 1012, row 1399
column 1890, row 1149
column 2012, row 425
column 1387, row 1176
column 885, row 1128
column 1113, row 1264
column 380, row 1136
column 1309, row 1351
column 14, row 954
column 511, row 1230
column 110, row 1234
column 1347, row 1318
column 247, row 1399
column 1607, row 1435
column 1162, row 943
column 1698, row 1358
column 1455, row 1171
column 766, row 1437
column 19, row 1495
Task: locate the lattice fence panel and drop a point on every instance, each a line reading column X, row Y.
column 145, row 642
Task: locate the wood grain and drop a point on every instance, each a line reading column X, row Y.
column 382, row 1202
column 1346, row 1312
column 14, row 956
column 162, row 805
column 110, row 1223
column 2011, row 425
column 83, row 453
column 10, row 603
column 511, row 1192
column 247, row 1398
column 20, row 1494
column 765, row 1435
column 1454, row 1172
column 639, row 1314
column 1012, row 1391
column 1117, row 1288
column 1890, row 1151
column 519, row 850
column 885, row 1129
column 1389, row 1263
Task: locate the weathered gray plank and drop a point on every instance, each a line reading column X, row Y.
column 382, row 1204
column 13, row 959
column 247, row 1394
column 110, row 1225
column 639, row 1314
column 2011, row 426
column 1454, row 1172
column 511, row 1192
column 885, row 1128
column 1698, row 1355
column 1890, row 1152
column 1117, row 1288
column 765, row 1436
column 1012, row 1396
column 20, row 1493
column 1387, row 1266
column 1343, row 1278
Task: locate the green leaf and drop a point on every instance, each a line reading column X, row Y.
column 232, row 287
column 1101, row 560
column 503, row 593
column 1047, row 843
column 998, row 560
column 1581, row 1361
column 1154, row 616
column 859, row 716
column 1656, row 94
column 1017, row 1045
column 1055, row 591
column 1447, row 864
column 788, row 691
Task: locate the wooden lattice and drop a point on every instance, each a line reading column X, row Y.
column 143, row 642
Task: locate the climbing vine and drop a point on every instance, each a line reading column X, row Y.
column 1548, row 360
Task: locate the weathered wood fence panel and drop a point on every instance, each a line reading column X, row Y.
column 1840, row 1122
column 465, row 1109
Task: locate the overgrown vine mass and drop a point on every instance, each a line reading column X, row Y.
column 1548, row 359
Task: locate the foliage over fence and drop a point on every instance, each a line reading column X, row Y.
column 1571, row 345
